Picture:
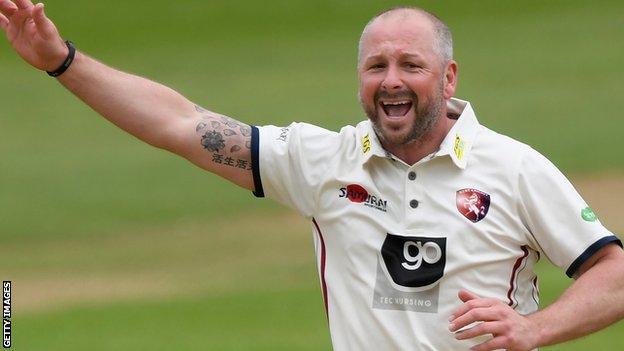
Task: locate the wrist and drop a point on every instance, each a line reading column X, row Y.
column 539, row 331
column 67, row 61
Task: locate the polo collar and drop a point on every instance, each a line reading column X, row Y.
column 459, row 140
column 457, row 143
column 370, row 144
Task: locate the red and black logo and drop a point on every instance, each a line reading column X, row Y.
column 356, row 193
column 473, row 204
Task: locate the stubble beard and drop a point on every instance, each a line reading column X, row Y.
column 425, row 117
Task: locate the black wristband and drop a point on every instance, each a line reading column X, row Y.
column 68, row 61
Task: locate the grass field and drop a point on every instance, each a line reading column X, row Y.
column 112, row 245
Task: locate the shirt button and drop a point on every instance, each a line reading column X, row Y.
column 413, row 203
column 411, row 175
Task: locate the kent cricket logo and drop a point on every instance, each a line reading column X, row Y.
column 472, row 204
column 356, row 193
column 409, row 269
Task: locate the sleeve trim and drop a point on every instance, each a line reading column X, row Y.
column 255, row 161
column 590, row 251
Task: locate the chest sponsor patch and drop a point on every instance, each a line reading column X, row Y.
column 472, row 204
column 358, row 194
column 409, row 269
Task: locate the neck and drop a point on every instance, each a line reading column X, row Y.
column 428, row 144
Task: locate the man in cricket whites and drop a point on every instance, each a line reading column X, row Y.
column 427, row 224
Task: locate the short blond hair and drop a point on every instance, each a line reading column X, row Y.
column 443, row 39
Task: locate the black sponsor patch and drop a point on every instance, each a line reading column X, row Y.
column 414, row 261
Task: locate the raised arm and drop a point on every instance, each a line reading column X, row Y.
column 150, row 111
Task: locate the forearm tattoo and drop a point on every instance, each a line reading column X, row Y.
column 224, row 137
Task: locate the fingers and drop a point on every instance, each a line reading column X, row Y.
column 19, row 18
column 29, row 28
column 480, row 329
column 467, row 306
column 4, row 22
column 46, row 28
column 466, row 295
column 475, row 315
column 7, row 8
column 17, row 13
column 23, row 4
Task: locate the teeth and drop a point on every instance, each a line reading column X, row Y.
column 395, row 102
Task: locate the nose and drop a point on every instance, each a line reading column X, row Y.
column 392, row 81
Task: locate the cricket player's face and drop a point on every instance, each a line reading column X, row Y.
column 402, row 85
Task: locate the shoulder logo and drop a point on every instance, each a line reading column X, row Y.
column 472, row 204
column 283, row 134
column 588, row 214
column 356, row 193
column 366, row 144
column 458, row 148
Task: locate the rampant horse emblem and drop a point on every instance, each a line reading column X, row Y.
column 473, row 204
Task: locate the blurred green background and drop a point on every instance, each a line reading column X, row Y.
column 113, row 245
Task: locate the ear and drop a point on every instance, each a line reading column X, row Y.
column 450, row 79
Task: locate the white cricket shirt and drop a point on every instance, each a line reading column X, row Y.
column 395, row 243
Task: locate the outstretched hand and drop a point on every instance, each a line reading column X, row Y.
column 510, row 330
column 31, row 34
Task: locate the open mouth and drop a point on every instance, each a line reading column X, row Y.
column 396, row 108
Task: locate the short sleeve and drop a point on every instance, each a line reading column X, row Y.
column 290, row 162
column 562, row 223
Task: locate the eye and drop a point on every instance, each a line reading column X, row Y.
column 411, row 66
column 376, row 66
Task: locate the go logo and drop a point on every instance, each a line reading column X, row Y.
column 414, row 261
column 430, row 252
